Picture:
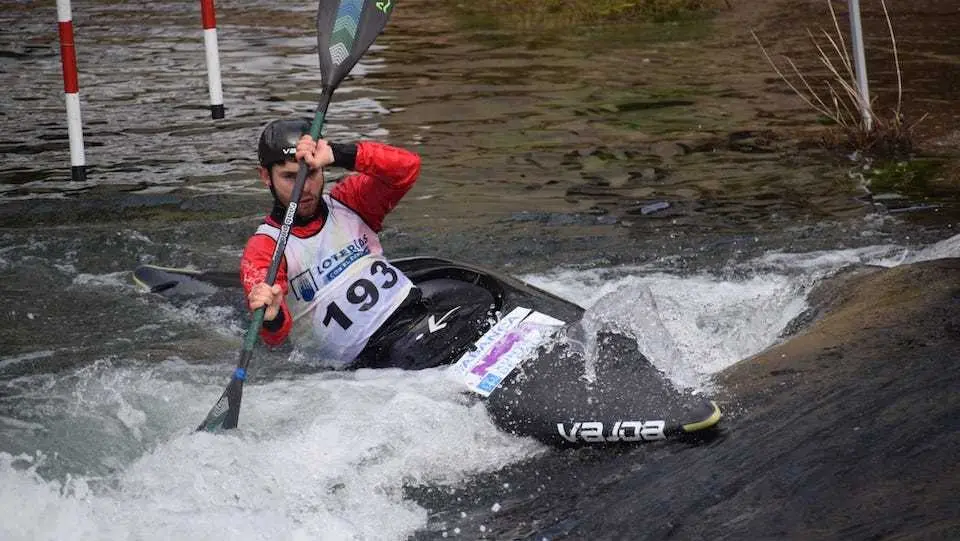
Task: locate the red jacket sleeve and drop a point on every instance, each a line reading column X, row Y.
column 383, row 175
column 253, row 269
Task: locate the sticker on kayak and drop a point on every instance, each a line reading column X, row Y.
column 514, row 338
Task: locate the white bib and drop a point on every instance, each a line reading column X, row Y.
column 342, row 289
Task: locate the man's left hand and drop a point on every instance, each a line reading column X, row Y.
column 317, row 154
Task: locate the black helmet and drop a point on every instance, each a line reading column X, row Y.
column 278, row 141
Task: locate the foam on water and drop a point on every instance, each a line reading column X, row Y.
column 320, row 457
column 108, row 451
column 326, row 456
column 17, row 359
column 688, row 327
column 882, row 256
column 113, row 279
column 692, row 327
column 219, row 318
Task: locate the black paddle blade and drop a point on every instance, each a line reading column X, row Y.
column 225, row 414
column 345, row 29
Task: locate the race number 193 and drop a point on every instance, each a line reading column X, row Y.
column 362, row 293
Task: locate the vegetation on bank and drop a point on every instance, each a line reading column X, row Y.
column 557, row 13
column 861, row 124
column 833, row 92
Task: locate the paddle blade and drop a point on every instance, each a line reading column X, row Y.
column 345, row 29
column 226, row 412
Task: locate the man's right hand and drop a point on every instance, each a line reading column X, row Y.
column 264, row 295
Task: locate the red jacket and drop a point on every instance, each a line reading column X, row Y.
column 383, row 175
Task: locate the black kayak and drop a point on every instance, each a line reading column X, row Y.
column 532, row 376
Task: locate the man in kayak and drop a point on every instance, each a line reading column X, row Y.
column 336, row 295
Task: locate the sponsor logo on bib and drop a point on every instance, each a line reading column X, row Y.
column 334, row 265
column 304, row 286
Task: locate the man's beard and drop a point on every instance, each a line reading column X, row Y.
column 280, row 210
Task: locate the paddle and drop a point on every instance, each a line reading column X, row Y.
column 169, row 280
column 345, row 29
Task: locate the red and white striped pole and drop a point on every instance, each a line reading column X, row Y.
column 213, row 57
column 71, row 88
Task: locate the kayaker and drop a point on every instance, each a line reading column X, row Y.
column 336, row 296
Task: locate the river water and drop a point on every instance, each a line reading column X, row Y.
column 626, row 170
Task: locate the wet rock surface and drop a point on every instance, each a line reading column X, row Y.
column 848, row 430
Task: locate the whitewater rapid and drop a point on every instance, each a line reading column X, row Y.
column 107, row 450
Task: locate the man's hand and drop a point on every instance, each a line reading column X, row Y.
column 317, row 154
column 263, row 295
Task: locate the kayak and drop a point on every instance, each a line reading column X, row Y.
column 525, row 360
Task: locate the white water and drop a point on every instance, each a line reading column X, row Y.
column 325, row 456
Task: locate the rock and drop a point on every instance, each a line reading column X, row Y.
column 848, row 430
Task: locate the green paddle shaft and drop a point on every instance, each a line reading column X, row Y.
column 251, row 337
column 345, row 30
column 226, row 413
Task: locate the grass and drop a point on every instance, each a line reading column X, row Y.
column 839, row 101
column 905, row 177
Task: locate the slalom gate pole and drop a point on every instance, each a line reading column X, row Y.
column 208, row 14
column 860, row 63
column 71, row 89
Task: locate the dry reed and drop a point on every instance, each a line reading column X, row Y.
column 841, row 101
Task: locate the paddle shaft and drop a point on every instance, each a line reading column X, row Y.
column 234, row 390
column 345, row 29
column 251, row 337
